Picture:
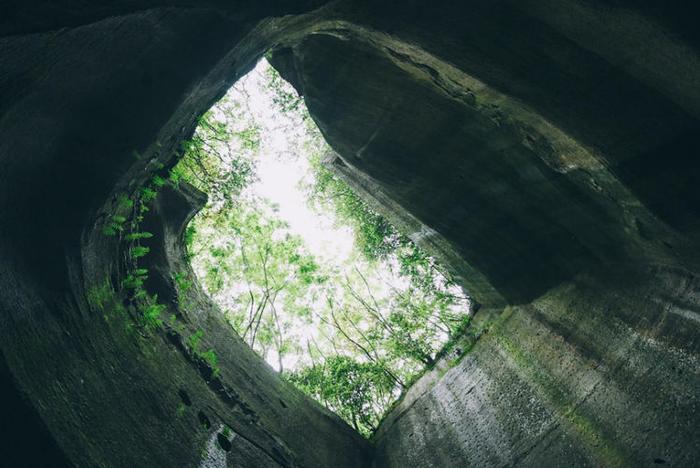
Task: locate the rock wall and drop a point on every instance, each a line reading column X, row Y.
column 548, row 150
column 589, row 374
column 531, row 188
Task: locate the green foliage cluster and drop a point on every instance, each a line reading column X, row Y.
column 356, row 391
column 368, row 345
column 190, row 232
column 130, row 212
column 214, row 158
column 138, row 235
column 100, row 296
column 209, row 356
column 139, row 251
column 104, row 299
column 134, row 209
column 182, row 282
column 285, row 98
column 150, row 310
column 375, row 236
column 148, row 194
column 124, row 203
column 417, row 313
column 135, row 279
column 194, row 339
column 276, row 269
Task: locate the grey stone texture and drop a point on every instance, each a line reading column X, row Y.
column 545, row 151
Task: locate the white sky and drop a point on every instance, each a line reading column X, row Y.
column 281, row 170
column 281, row 167
column 279, row 182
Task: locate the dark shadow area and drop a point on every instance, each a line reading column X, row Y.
column 24, row 439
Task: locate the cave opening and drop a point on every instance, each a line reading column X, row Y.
column 310, row 275
column 546, row 148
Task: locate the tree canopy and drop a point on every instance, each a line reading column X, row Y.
column 352, row 334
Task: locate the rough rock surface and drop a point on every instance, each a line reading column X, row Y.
column 617, row 386
column 546, row 150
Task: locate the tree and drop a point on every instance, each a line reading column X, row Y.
column 351, row 335
column 357, row 391
column 256, row 268
column 218, row 159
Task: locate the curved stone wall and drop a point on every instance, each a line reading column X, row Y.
column 547, row 149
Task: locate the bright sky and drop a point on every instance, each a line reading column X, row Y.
column 281, row 168
column 279, row 181
column 281, row 171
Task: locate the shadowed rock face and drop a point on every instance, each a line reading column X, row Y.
column 545, row 151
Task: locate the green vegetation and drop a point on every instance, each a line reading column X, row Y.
column 138, row 235
column 356, row 391
column 209, row 356
column 157, row 181
column 148, row 194
column 194, row 339
column 375, row 236
column 139, row 251
column 100, row 296
column 213, row 165
column 114, row 226
column 283, row 95
column 182, row 282
column 135, row 279
column 126, row 223
column 103, row 298
column 151, row 311
column 352, row 335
